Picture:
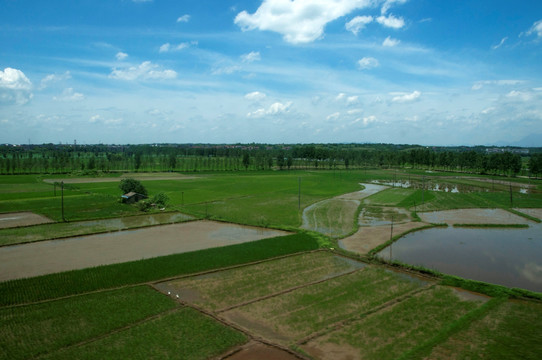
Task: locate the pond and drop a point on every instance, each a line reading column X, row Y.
column 509, row 257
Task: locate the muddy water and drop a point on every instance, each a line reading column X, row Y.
column 136, row 221
column 46, row 257
column 509, row 257
column 472, row 216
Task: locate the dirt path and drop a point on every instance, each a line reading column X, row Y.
column 9, row 220
column 53, row 256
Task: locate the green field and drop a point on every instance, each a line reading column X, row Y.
column 279, row 289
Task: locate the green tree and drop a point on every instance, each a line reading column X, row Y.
column 129, row 185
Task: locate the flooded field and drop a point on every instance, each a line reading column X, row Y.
column 509, row 257
column 46, row 257
column 10, row 220
column 442, row 185
column 472, row 216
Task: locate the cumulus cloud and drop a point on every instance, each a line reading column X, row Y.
column 145, row 71
column 389, row 42
column 121, row 56
column 184, row 18
column 536, row 29
column 365, row 121
column 391, row 21
column 69, row 95
column 358, row 23
column 299, row 21
column 15, row 88
column 255, row 96
column 406, row 97
column 275, row 109
column 367, row 63
column 251, row 57
column 53, row 78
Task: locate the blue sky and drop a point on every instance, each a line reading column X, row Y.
column 446, row 72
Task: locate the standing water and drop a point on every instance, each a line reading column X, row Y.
column 509, row 257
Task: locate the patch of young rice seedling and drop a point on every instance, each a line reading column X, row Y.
column 310, row 309
column 511, row 330
column 236, row 286
column 32, row 330
column 390, row 332
column 185, row 334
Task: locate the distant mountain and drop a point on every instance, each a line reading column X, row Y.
column 532, row 140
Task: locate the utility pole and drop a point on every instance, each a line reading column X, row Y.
column 299, row 194
column 62, row 199
column 391, row 237
column 511, row 199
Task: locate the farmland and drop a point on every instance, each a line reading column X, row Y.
column 300, row 294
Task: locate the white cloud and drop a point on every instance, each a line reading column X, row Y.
column 68, row 95
column 352, row 100
column 121, row 56
column 98, row 119
column 14, row 87
column 480, row 84
column 495, row 47
column 275, row 109
column 391, row 21
column 184, row 45
column 365, row 120
column 536, row 29
column 519, row 95
column 52, row 78
column 389, row 42
column 299, row 21
column 406, row 97
column 358, row 23
column 145, row 71
column 184, row 18
column 389, row 3
column 367, row 63
column 227, row 70
column 251, row 57
column 333, row 117
column 255, row 96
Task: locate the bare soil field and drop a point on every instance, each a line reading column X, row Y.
column 46, row 257
column 472, row 216
column 9, row 220
column 137, row 176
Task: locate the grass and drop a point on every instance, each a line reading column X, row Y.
column 184, row 334
column 29, row 331
column 110, row 276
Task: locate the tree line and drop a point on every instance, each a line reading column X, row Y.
column 53, row 159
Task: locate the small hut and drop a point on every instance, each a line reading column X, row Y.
column 132, row 197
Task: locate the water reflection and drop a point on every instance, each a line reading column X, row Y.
column 509, row 257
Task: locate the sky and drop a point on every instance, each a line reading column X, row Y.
column 428, row 72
